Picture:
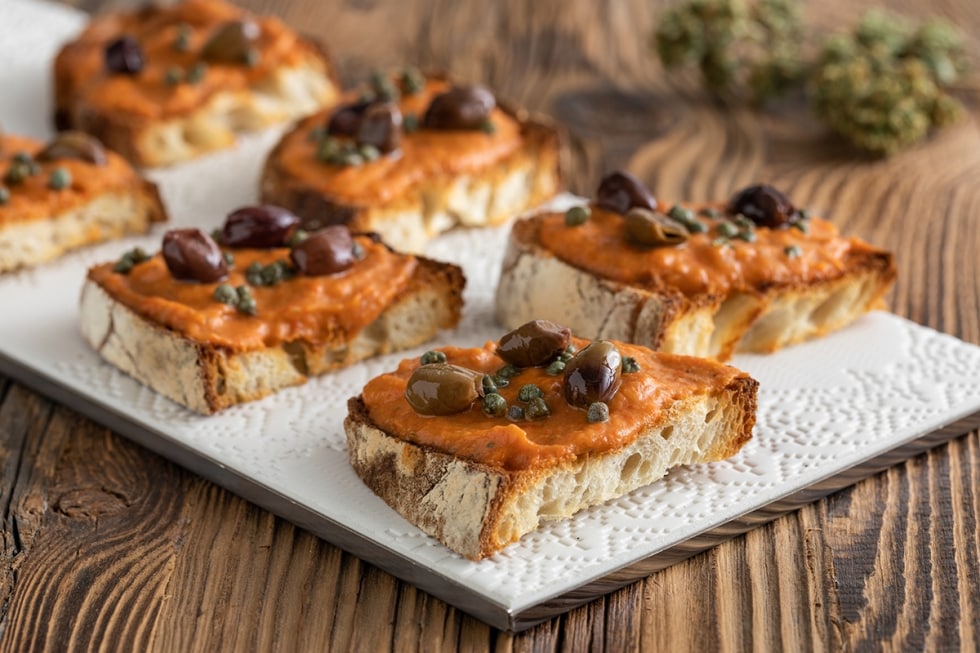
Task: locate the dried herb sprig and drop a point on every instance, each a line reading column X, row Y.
column 882, row 86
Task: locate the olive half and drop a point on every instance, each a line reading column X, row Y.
column 620, row 191
column 443, row 389
column 534, row 343
column 763, row 205
column 593, row 374
column 74, row 145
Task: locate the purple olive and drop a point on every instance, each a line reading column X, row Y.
column 461, row 107
column 232, row 42
column 73, row 145
column 192, row 255
column 593, row 374
column 124, row 56
column 381, row 126
column 620, row 191
column 534, row 343
column 443, row 389
column 763, row 205
column 346, row 119
column 262, row 226
column 325, row 252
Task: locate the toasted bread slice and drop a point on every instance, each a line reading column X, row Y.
column 711, row 295
column 186, row 96
column 478, row 483
column 64, row 201
column 434, row 180
column 176, row 338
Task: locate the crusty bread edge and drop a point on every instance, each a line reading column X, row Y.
column 535, row 284
column 207, row 378
column 476, row 509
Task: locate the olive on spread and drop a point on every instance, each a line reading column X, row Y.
column 73, row 145
column 763, row 205
column 345, row 120
column 261, row 226
column 381, row 126
column 124, row 55
column 653, row 229
column 535, row 343
column 592, row 375
column 233, row 42
column 461, row 107
column 192, row 255
column 327, row 251
column 443, row 389
column 620, row 191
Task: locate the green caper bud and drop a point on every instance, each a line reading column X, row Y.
column 710, row 212
column 577, row 215
column 500, row 381
column 443, row 389
column 792, row 251
column 598, row 412
column 515, row 413
column 534, row 343
column 630, row 365
column 410, row 123
column 4, row 195
column 494, row 405
column 537, row 408
column 727, row 229
column 556, row 367
column 489, row 386
column 430, row 357
column 229, row 258
column 17, row 172
column 529, row 392
column 593, row 374
column 508, row 372
column 568, row 353
column 196, row 73
column 60, row 179
column 226, row 294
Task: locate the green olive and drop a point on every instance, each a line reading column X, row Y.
column 534, row 343
column 652, row 229
column 233, row 42
column 593, row 374
column 443, row 389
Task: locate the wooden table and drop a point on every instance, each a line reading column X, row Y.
column 107, row 545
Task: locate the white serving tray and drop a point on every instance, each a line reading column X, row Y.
column 830, row 412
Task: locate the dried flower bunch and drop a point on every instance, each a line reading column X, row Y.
column 882, row 86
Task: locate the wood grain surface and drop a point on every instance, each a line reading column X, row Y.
column 107, row 546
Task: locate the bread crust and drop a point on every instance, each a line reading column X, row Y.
column 210, row 122
column 478, row 509
column 492, row 196
column 208, row 378
column 534, row 284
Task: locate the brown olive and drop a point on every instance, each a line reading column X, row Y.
column 74, row 145
column 534, row 343
column 345, row 120
column 192, row 255
column 233, row 42
column 443, row 389
column 327, row 251
column 620, row 191
column 763, row 205
column 124, row 56
column 652, row 229
column 592, row 374
column 461, row 107
column 260, row 226
column 381, row 126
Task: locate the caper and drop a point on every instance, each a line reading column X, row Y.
column 412, row 81
column 598, row 411
column 630, row 365
column 18, row 172
column 74, row 145
column 232, row 42
column 593, row 374
column 727, row 229
column 443, row 389
column 182, row 42
column 4, row 195
column 494, row 405
column 515, row 413
column 533, row 343
column 508, row 372
column 226, row 294
column 555, row 367
column 793, row 251
column 173, row 76
column 488, row 384
column 652, row 229
column 577, row 215
column 229, row 258
column 686, row 218
column 537, row 408
column 430, row 357
column 60, row 179
column 620, row 191
column 196, row 73
column 528, row 392
column 410, row 123
column 763, row 205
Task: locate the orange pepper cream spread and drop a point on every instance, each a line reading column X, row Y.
column 759, row 239
column 162, row 62
column 537, row 397
column 268, row 284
